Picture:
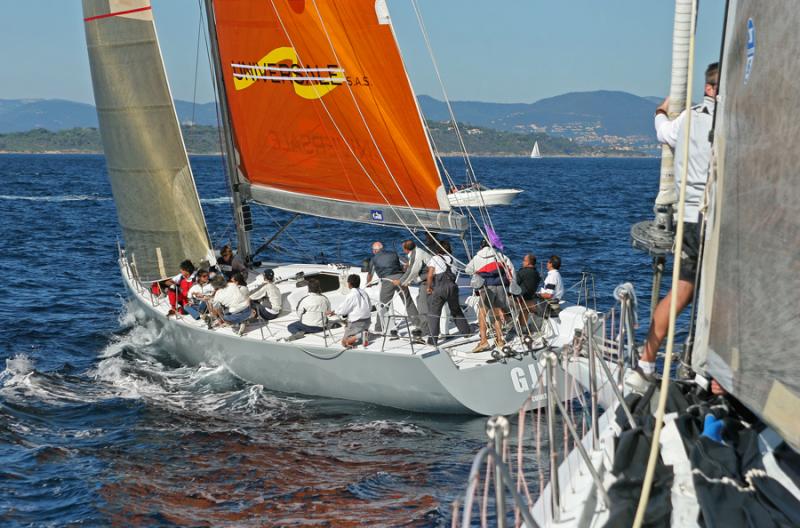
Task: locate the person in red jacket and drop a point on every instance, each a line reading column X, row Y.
column 179, row 285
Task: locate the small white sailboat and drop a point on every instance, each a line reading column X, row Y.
column 535, row 152
column 479, row 196
column 312, row 101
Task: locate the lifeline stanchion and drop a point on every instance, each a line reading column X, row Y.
column 555, row 495
column 590, row 320
column 497, row 429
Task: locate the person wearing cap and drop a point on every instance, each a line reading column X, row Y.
column 492, row 273
column 265, row 296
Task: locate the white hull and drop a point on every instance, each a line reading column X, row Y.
column 487, row 197
column 391, row 373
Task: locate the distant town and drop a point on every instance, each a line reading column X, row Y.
column 600, row 123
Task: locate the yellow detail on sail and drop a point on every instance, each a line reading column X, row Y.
column 304, row 88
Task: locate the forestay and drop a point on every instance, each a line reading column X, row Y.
column 749, row 309
column 323, row 115
column 151, row 180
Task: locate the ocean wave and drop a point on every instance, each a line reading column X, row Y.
column 135, row 366
column 90, row 198
column 220, row 200
column 387, row 428
column 62, row 198
column 21, row 382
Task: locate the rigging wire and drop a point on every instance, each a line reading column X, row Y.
column 369, row 131
column 220, row 128
column 470, row 170
column 197, row 62
column 482, row 210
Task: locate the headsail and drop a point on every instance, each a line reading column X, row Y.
column 324, row 118
column 151, row 180
column 749, row 313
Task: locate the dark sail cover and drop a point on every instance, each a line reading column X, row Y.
column 751, row 300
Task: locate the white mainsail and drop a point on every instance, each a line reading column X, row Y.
column 154, row 191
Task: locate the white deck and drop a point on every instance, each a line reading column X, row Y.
column 276, row 330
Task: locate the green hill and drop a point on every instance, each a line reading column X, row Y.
column 201, row 139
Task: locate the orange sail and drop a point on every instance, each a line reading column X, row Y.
column 323, row 115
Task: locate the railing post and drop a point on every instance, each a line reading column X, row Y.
column 497, row 428
column 623, row 310
column 590, row 319
column 555, row 494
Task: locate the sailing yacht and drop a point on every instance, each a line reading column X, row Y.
column 319, row 119
column 535, row 151
column 688, row 452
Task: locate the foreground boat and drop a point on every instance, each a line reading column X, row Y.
column 719, row 446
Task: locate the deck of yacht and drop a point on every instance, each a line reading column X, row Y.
column 290, row 281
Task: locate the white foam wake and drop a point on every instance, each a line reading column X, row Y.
column 62, row 198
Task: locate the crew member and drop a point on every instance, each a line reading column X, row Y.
column 671, row 133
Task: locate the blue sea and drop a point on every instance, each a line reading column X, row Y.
column 99, row 425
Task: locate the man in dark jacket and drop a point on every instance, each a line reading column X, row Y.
column 528, row 279
column 386, row 266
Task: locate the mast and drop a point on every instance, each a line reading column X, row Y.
column 656, row 236
column 238, row 197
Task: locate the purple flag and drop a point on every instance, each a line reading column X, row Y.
column 494, row 238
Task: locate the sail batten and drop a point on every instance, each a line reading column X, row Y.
column 157, row 203
column 322, row 108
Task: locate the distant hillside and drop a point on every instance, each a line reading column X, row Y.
column 601, row 118
column 205, row 140
column 199, row 140
column 483, row 141
column 589, row 118
column 21, row 115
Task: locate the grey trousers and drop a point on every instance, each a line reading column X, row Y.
column 446, row 293
column 387, row 294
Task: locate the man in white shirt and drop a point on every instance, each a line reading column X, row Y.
column 266, row 296
column 553, row 287
column 442, row 289
column 671, row 133
column 357, row 309
column 199, row 295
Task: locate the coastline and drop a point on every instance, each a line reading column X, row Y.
column 71, row 152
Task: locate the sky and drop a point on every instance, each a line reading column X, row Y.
column 487, row 50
